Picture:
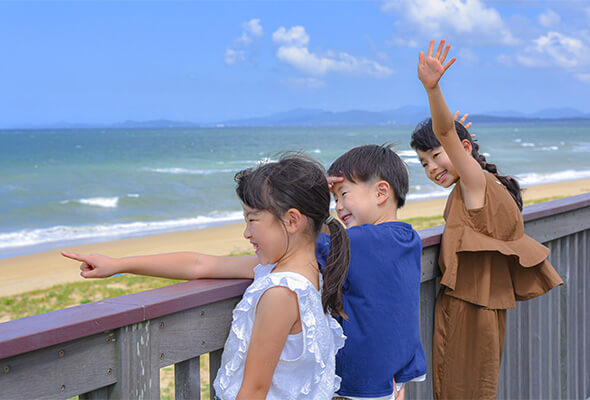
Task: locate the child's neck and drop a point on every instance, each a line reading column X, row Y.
column 298, row 256
column 386, row 216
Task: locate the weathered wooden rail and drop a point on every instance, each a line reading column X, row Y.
column 116, row 347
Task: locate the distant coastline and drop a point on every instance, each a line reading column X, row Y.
column 407, row 115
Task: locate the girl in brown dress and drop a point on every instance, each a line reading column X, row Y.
column 486, row 259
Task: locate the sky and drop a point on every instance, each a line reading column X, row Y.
column 108, row 62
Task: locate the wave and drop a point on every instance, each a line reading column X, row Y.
column 185, row 171
column 427, row 196
column 64, row 233
column 533, row 178
column 104, row 202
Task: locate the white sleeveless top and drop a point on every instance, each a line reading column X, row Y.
column 306, row 368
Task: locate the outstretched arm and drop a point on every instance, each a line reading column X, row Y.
column 431, row 68
column 183, row 265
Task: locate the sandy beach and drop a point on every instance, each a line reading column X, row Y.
column 44, row 269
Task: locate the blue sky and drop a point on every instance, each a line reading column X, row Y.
column 103, row 62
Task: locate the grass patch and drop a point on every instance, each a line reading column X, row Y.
column 425, row 222
column 544, row 199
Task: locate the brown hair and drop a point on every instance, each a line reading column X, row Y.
column 297, row 181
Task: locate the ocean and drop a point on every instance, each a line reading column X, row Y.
column 65, row 187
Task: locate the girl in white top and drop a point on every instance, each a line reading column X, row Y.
column 283, row 339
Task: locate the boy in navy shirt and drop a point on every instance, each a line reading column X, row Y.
column 381, row 293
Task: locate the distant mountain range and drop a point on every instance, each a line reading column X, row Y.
column 407, row 115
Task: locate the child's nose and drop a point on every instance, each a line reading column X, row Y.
column 247, row 233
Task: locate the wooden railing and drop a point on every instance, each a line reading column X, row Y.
column 116, row 347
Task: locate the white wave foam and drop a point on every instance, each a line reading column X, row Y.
column 185, row 171
column 413, row 160
column 549, row 148
column 406, row 153
column 105, row 202
column 526, row 144
column 533, row 178
column 62, row 233
column 427, row 196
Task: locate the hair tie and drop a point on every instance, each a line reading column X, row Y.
column 329, row 219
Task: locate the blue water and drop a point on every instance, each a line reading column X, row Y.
column 73, row 186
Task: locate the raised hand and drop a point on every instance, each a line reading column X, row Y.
column 462, row 120
column 431, row 68
column 93, row 265
column 333, row 180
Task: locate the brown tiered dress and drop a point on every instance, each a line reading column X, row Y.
column 487, row 263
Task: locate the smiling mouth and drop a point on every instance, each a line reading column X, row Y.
column 441, row 176
column 345, row 218
column 256, row 247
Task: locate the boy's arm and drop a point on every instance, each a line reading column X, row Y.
column 430, row 71
column 276, row 313
column 183, row 265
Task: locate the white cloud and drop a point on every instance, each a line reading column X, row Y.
column 293, row 51
column 467, row 20
column 233, row 56
column 251, row 30
column 295, row 36
column 549, row 18
column 253, row 27
column 556, row 49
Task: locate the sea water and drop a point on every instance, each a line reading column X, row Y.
column 62, row 187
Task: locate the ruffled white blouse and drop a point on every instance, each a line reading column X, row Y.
column 307, row 375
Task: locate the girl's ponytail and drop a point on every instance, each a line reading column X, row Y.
column 336, row 268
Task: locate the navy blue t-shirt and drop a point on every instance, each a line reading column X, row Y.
column 381, row 296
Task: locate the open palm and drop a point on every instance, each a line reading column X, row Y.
column 431, row 67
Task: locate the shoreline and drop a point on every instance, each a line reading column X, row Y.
column 47, row 268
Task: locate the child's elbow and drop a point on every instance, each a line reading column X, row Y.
column 199, row 268
column 252, row 392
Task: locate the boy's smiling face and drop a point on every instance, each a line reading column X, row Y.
column 356, row 202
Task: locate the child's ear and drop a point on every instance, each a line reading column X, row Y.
column 467, row 146
column 293, row 220
column 383, row 192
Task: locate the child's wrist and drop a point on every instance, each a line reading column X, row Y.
column 432, row 90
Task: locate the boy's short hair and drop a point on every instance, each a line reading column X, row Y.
column 371, row 161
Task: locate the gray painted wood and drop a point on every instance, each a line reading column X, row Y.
column 60, row 371
column 139, row 362
column 558, row 226
column 429, row 263
column 208, row 326
column 214, row 365
column 187, row 379
column 104, row 393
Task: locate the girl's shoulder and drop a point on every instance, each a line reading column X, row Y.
column 499, row 217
